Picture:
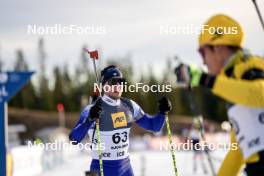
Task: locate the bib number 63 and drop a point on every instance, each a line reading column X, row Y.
column 117, row 137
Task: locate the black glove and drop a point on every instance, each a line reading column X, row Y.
column 164, row 105
column 96, row 110
column 183, row 73
column 191, row 76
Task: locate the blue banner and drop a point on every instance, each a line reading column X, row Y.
column 10, row 84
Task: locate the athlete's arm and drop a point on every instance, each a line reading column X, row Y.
column 248, row 93
column 238, row 91
column 146, row 121
column 247, row 88
column 87, row 118
column 82, row 127
column 152, row 123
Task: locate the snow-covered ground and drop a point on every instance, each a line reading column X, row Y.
column 145, row 163
column 35, row 161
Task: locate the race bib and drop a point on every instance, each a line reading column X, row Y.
column 248, row 124
column 114, row 144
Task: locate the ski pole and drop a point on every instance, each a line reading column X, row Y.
column 258, row 12
column 170, row 141
column 93, row 56
column 195, row 111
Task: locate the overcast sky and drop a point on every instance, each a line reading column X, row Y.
column 132, row 27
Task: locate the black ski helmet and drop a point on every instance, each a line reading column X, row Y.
column 110, row 72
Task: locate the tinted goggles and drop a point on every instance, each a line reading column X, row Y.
column 115, row 81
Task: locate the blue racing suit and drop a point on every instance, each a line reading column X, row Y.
column 115, row 123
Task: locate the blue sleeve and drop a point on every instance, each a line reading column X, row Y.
column 81, row 128
column 153, row 123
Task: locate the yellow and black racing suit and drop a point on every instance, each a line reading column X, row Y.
column 241, row 84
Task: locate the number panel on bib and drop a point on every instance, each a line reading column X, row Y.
column 114, row 144
column 249, row 128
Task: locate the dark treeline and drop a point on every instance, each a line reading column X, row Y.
column 73, row 90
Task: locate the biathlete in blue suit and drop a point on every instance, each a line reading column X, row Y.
column 116, row 117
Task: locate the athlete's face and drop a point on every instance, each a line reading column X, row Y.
column 214, row 58
column 113, row 89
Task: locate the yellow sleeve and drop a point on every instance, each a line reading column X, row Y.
column 233, row 161
column 238, row 91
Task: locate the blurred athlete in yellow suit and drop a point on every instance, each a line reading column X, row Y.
column 237, row 77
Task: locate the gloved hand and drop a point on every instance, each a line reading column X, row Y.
column 164, row 105
column 188, row 75
column 96, row 110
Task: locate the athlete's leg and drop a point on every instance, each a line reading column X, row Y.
column 113, row 167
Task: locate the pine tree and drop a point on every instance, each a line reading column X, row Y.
column 58, row 93
column 26, row 98
column 82, row 69
column 45, row 101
